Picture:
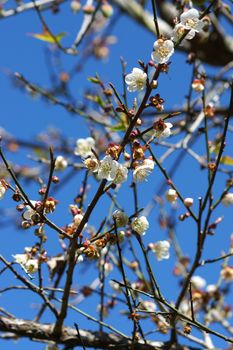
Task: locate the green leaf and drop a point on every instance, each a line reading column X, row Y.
column 227, row 160
column 94, row 80
column 47, row 37
column 118, row 127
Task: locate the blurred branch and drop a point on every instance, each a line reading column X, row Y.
column 207, row 46
column 41, row 5
column 69, row 337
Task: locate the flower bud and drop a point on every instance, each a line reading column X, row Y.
column 75, row 6
column 171, row 195
column 188, row 202
column 60, row 163
column 227, row 199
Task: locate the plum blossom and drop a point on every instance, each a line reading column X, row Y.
column 136, row 80
column 188, row 202
column 121, row 174
column 198, row 282
column 142, row 171
column 29, row 265
column 92, row 164
column 227, row 273
column 163, row 50
column 111, row 170
column 162, row 129
column 27, row 215
column 115, row 286
column 198, row 85
column 120, row 218
column 75, row 6
column 61, row 163
column 161, row 250
column 227, row 199
column 2, row 190
column 171, row 195
column 84, row 146
column 140, row 225
column 189, row 20
column 148, row 305
column 107, row 168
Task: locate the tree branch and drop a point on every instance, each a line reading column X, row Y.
column 69, row 336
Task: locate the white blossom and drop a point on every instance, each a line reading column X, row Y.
column 115, row 286
column 161, row 250
column 179, row 31
column 141, row 172
column 77, row 219
column 20, row 258
column 147, row 305
column 61, row 163
column 165, row 132
column 120, row 218
column 171, row 195
column 108, row 168
column 163, row 50
column 92, row 164
column 198, row 282
column 79, row 259
column 140, row 225
column 84, row 146
column 227, row 199
column 198, row 85
column 75, row 6
column 136, row 80
column 2, row 190
column 211, row 288
column 190, row 20
column 121, row 174
column 27, row 215
column 29, row 265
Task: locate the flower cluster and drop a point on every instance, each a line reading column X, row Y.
column 29, row 261
column 163, row 48
column 108, row 169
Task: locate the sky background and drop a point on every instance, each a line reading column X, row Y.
column 24, row 117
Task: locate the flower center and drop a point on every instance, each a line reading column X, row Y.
column 191, row 22
column 163, row 51
column 139, row 82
